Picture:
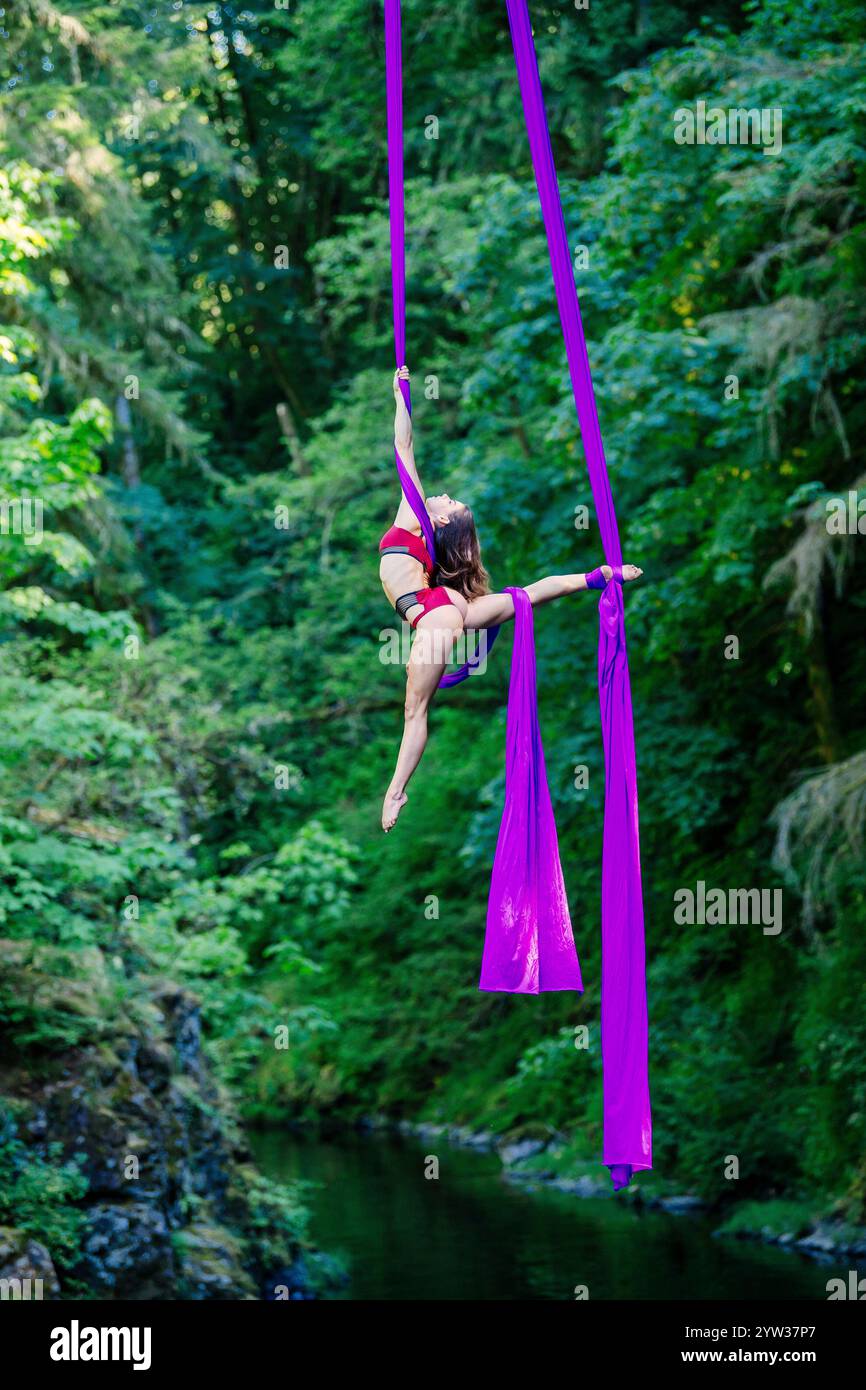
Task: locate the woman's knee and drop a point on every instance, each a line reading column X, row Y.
column 417, row 699
column 422, row 677
column 414, row 709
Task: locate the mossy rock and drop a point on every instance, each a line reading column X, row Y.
column 210, row 1262
column 54, row 997
column 127, row 1251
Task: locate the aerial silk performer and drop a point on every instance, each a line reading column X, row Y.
column 433, row 575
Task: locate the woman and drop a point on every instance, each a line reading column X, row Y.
column 441, row 601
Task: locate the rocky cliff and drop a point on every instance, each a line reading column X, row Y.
column 136, row 1150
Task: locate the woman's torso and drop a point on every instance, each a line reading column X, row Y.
column 404, row 573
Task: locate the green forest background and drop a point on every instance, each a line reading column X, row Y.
column 196, row 350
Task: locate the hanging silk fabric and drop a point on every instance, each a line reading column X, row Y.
column 396, row 215
column 528, row 942
column 624, row 1045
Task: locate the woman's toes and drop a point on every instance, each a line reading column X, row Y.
column 391, row 810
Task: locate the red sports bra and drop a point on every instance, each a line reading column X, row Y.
column 397, row 541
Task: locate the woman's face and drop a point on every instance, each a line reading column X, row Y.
column 443, row 508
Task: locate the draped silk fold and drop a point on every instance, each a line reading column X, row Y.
column 528, row 942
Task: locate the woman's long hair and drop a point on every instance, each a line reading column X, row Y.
column 458, row 557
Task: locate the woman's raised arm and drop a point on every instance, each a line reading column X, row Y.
column 404, row 444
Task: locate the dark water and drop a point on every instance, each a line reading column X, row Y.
column 470, row 1235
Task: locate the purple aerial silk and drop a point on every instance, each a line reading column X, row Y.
column 528, row 945
column 394, row 90
column 394, row 93
column 627, row 1119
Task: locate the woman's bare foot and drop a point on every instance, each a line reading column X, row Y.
column 393, row 805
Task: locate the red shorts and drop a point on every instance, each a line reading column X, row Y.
column 428, row 600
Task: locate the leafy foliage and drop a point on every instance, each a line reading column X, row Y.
column 38, row 1196
column 199, row 726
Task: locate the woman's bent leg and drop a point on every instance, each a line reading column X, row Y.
column 435, row 636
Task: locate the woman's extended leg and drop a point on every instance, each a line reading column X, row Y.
column 435, row 636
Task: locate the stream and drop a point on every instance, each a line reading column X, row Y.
column 471, row 1235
